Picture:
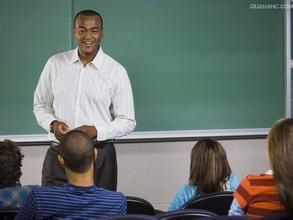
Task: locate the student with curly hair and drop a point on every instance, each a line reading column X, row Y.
column 12, row 194
column 269, row 193
column 209, row 172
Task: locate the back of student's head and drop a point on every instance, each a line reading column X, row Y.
column 280, row 147
column 209, row 167
column 10, row 164
column 77, row 151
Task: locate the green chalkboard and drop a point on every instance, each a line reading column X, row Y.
column 31, row 31
column 193, row 64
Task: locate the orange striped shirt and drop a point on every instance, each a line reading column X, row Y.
column 258, row 196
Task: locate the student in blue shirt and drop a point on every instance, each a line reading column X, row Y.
column 12, row 194
column 79, row 198
column 209, row 172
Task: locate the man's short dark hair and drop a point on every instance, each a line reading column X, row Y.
column 10, row 164
column 88, row 12
column 77, row 150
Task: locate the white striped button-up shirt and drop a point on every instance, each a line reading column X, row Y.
column 98, row 94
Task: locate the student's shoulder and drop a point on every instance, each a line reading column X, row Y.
column 187, row 190
column 47, row 190
column 186, row 186
column 262, row 176
column 256, row 180
column 109, row 192
column 233, row 183
column 29, row 187
column 234, row 179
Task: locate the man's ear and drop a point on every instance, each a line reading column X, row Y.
column 61, row 160
column 74, row 30
column 95, row 153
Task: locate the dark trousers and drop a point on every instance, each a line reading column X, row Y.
column 105, row 167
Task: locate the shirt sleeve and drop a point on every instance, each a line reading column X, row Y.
column 235, row 210
column 43, row 99
column 184, row 195
column 123, row 206
column 122, row 110
column 28, row 210
column 242, row 195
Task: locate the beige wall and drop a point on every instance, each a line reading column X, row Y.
column 154, row 171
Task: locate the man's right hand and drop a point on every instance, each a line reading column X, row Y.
column 60, row 128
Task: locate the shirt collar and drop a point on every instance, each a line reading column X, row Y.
column 78, row 188
column 75, row 57
column 97, row 61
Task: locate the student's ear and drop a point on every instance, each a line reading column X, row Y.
column 61, row 160
column 95, row 153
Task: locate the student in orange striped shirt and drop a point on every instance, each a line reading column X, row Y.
column 269, row 193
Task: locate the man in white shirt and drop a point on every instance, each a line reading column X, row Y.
column 87, row 90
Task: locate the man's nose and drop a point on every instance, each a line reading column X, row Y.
column 88, row 34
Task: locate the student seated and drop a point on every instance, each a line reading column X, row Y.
column 269, row 193
column 12, row 194
column 79, row 198
column 209, row 172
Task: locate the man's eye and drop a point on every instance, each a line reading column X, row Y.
column 81, row 30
